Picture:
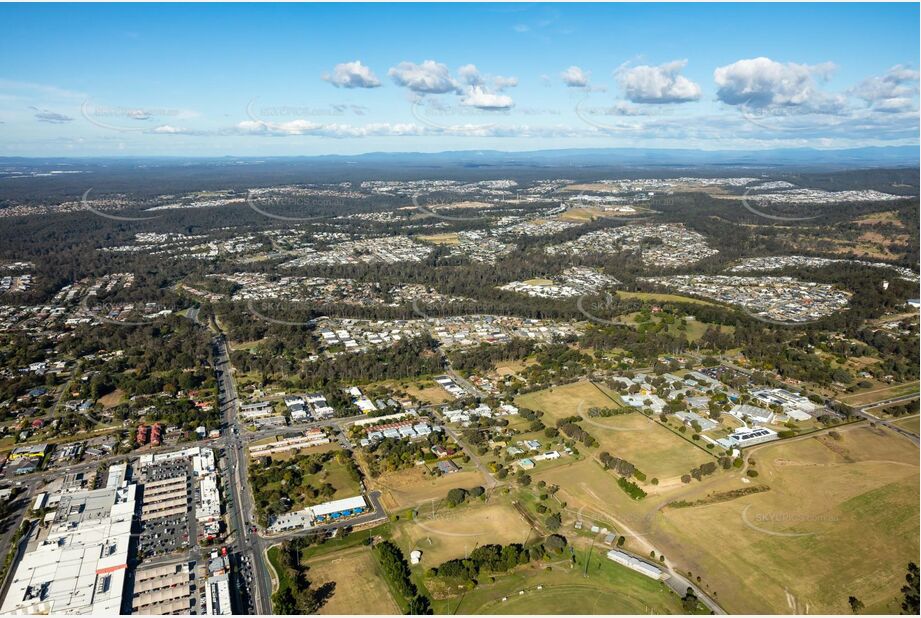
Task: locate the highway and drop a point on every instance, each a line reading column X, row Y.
column 241, row 509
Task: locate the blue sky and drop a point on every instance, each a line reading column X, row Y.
column 285, row 79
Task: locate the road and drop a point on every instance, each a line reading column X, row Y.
column 249, row 544
column 242, row 508
column 464, row 383
column 864, row 412
column 491, row 481
column 13, row 521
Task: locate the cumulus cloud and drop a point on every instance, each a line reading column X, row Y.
column 657, row 84
column 352, row 75
column 478, row 97
column 430, row 77
column 470, row 75
column 45, row 115
column 169, row 130
column 500, row 82
column 765, row 83
column 335, row 130
column 574, row 77
column 894, row 91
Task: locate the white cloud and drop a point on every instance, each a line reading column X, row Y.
column 500, row 82
column 470, row 75
column 764, row 83
column 430, row 77
column 894, row 91
column 169, row 130
column 335, row 130
column 478, row 97
column 46, row 115
column 574, row 77
column 657, row 84
column 352, row 75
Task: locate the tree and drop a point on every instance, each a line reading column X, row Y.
column 555, row 542
column 456, row 496
column 553, row 522
column 689, row 601
column 419, row 605
column 910, row 590
column 284, row 602
column 856, row 604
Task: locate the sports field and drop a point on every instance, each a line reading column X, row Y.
column 360, row 588
column 604, row 588
column 444, row 533
column 840, row 519
column 407, row 488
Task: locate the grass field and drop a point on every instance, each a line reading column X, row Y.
column 112, row 399
column 452, row 533
column 664, row 298
column 591, row 494
column 429, row 393
column 449, row 238
column 655, row 450
column 410, row 487
column 840, row 519
column 603, row 588
column 511, row 367
column 912, row 424
column 880, row 394
column 360, row 588
column 562, row 401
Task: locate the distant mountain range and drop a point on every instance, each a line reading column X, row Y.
column 23, row 178
column 875, row 156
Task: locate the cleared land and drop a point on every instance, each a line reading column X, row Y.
column 407, row 488
column 654, row 449
column 452, row 533
column 840, row 519
column 664, row 298
column 562, row 401
column 449, row 238
column 360, row 588
column 430, row 393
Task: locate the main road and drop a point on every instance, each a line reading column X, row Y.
column 241, row 509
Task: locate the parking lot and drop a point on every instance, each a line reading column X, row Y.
column 171, row 532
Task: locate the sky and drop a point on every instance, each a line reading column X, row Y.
column 309, row 79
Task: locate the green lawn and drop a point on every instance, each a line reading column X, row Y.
column 606, row 588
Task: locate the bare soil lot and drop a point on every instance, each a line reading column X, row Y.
column 360, row 588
